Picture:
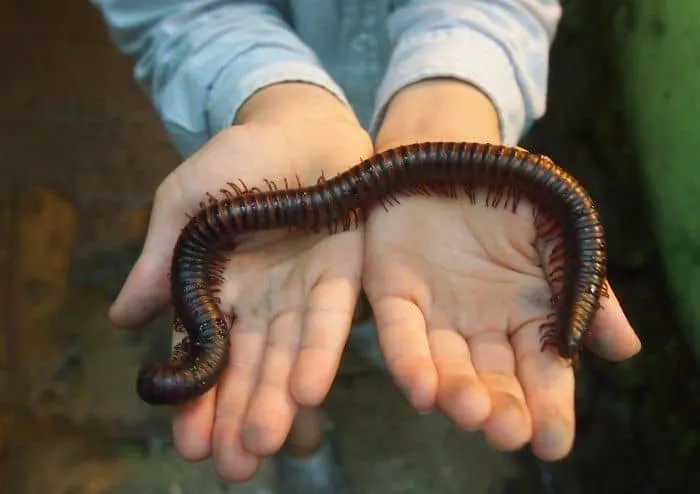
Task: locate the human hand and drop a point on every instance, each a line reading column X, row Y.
column 294, row 295
column 458, row 297
column 458, row 318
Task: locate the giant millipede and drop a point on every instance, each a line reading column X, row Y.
column 564, row 212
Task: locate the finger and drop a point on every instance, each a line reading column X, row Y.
column 612, row 336
column 192, row 427
column 146, row 289
column 134, row 306
column 509, row 425
column 548, row 383
column 326, row 327
column 193, row 421
column 461, row 394
column 272, row 408
column 404, row 342
column 230, row 459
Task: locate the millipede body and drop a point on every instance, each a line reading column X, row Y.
column 564, row 212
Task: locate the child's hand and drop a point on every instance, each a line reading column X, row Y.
column 458, row 294
column 294, row 294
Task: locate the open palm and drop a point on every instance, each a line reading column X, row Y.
column 459, row 294
column 294, row 294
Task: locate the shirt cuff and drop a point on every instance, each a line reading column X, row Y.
column 461, row 54
column 240, row 80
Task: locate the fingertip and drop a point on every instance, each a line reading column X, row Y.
column 265, row 439
column 231, row 461
column 312, row 376
column 192, row 427
column 636, row 347
column 116, row 312
column 467, row 403
column 116, row 315
column 612, row 336
column 553, row 440
column 141, row 298
column 128, row 315
column 509, row 427
column 506, row 431
column 417, row 378
column 423, row 396
column 267, row 423
column 617, row 343
column 236, row 467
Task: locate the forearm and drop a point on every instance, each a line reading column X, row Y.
column 438, row 109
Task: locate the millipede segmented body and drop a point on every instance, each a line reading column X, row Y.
column 564, row 213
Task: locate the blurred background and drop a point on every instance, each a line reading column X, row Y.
column 81, row 153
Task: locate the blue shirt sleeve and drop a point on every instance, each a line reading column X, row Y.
column 199, row 61
column 500, row 46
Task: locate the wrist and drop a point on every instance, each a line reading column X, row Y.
column 319, row 132
column 292, row 102
column 439, row 110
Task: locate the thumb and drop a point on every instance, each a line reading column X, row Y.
column 146, row 291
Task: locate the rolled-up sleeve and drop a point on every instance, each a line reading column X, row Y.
column 500, row 46
column 199, row 61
